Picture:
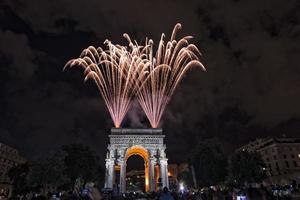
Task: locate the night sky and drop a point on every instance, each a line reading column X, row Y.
column 251, row 89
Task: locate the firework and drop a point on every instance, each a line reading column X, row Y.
column 122, row 72
column 166, row 68
column 116, row 72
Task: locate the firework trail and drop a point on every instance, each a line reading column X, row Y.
column 166, row 68
column 122, row 72
column 117, row 74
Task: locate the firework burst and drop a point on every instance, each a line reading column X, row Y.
column 122, row 72
column 116, row 72
column 166, row 68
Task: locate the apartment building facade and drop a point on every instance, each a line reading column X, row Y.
column 281, row 157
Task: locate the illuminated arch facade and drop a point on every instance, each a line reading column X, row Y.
column 147, row 143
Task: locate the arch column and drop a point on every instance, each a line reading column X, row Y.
column 147, row 187
column 152, row 181
column 110, row 172
column 122, row 165
column 163, row 161
column 152, row 163
column 164, row 172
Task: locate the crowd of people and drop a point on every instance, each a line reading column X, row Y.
column 272, row 192
column 214, row 193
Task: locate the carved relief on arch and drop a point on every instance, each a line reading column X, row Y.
column 121, row 153
column 111, row 152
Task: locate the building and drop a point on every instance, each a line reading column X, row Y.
column 174, row 170
column 9, row 157
column 173, row 175
column 281, row 156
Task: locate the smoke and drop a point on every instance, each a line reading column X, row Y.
column 136, row 117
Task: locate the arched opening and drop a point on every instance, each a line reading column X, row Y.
column 140, row 152
column 135, row 174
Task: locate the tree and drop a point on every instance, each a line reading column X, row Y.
column 210, row 163
column 246, row 167
column 50, row 171
column 81, row 162
column 18, row 176
column 70, row 165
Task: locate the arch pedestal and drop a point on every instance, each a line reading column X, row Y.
column 147, row 143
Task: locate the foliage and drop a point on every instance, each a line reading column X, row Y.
column 82, row 163
column 49, row 171
column 58, row 170
column 246, row 167
column 210, row 163
column 18, row 176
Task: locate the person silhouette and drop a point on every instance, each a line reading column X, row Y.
column 166, row 195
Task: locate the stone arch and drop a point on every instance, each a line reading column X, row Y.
column 144, row 153
column 147, row 143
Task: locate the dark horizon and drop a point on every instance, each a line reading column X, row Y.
column 250, row 89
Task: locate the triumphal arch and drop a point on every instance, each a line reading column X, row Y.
column 147, row 143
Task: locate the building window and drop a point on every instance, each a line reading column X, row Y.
column 287, row 164
column 295, row 163
column 268, row 159
column 284, row 156
column 292, row 155
column 277, row 167
column 275, row 158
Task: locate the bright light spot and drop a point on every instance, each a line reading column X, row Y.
column 181, row 187
column 299, row 155
column 147, row 181
column 169, row 173
column 241, row 197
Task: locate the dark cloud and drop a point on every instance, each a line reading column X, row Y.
column 264, row 41
column 14, row 47
column 250, row 89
